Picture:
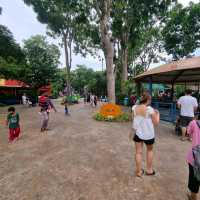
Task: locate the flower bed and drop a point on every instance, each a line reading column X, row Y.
column 112, row 113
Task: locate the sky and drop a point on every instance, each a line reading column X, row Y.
column 22, row 22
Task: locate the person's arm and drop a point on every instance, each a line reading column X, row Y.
column 195, row 105
column 18, row 118
column 179, row 103
column 7, row 121
column 155, row 116
column 52, row 105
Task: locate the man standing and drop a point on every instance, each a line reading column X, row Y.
column 188, row 105
column 24, row 99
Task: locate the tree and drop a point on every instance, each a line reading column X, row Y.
column 42, row 62
column 103, row 10
column 84, row 77
column 64, row 18
column 133, row 25
column 9, row 47
column 120, row 25
column 11, row 55
column 181, row 35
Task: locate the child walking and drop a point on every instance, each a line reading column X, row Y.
column 13, row 124
column 66, row 106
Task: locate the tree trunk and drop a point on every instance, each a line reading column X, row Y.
column 110, row 75
column 125, row 64
column 124, row 77
column 67, row 63
column 107, row 46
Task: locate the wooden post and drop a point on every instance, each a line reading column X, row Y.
column 172, row 92
column 150, row 86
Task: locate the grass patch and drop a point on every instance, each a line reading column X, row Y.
column 124, row 117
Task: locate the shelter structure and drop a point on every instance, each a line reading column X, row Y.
column 185, row 71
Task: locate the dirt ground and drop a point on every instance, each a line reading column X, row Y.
column 82, row 159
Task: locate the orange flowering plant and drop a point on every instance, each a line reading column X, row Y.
column 110, row 109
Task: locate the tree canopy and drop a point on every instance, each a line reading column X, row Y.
column 87, row 78
column 181, row 34
column 42, row 61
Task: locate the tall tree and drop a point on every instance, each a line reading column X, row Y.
column 42, row 61
column 131, row 21
column 181, row 35
column 103, row 10
column 8, row 46
column 63, row 19
column 11, row 55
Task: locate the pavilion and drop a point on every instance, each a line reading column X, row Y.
column 185, row 71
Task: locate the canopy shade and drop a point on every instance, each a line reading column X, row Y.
column 185, row 70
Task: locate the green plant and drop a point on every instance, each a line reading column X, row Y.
column 124, row 117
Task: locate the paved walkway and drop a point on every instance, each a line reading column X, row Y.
column 82, row 159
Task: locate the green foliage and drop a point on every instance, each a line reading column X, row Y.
column 129, row 87
column 124, row 117
column 59, row 83
column 179, row 90
column 11, row 56
column 9, row 48
column 42, row 61
column 181, row 34
column 87, row 78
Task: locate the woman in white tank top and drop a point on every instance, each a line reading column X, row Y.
column 144, row 119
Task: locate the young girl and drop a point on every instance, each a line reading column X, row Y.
column 144, row 119
column 193, row 131
column 13, row 124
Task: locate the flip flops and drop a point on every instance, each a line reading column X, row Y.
column 142, row 173
column 150, row 174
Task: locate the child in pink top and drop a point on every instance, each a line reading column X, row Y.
column 194, row 132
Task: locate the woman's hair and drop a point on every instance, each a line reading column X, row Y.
column 145, row 98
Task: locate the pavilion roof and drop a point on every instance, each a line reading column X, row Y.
column 181, row 71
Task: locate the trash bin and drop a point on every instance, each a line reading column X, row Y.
column 126, row 101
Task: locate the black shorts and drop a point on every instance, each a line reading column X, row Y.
column 147, row 142
column 184, row 121
column 193, row 183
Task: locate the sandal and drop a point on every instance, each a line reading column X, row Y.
column 140, row 175
column 150, row 174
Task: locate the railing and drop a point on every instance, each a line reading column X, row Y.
column 168, row 111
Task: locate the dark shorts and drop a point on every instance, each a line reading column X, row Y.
column 193, row 183
column 147, row 142
column 184, row 121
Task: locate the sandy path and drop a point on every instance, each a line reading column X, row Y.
column 81, row 159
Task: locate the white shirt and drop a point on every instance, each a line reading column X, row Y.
column 187, row 103
column 24, row 99
column 144, row 125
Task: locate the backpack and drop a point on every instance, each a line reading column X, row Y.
column 43, row 102
column 196, row 155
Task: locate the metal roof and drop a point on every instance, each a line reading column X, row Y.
column 185, row 70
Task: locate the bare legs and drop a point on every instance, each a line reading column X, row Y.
column 192, row 196
column 149, row 156
column 138, row 158
column 183, row 129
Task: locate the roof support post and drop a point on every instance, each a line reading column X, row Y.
column 150, row 86
column 172, row 92
column 138, row 88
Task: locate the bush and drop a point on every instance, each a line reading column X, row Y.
column 124, row 117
